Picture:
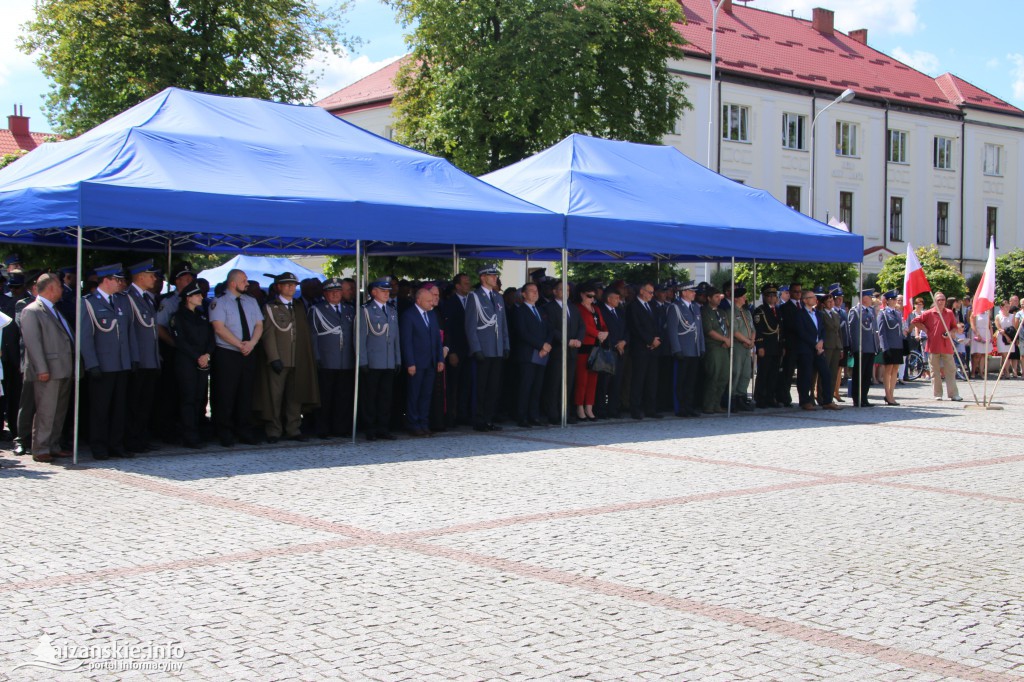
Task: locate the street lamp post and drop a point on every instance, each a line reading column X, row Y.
column 711, row 92
column 845, row 97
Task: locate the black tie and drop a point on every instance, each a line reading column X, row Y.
column 612, row 311
column 245, row 323
column 535, row 312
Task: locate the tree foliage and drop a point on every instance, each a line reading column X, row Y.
column 809, row 275
column 633, row 273
column 490, row 82
column 104, row 56
column 8, row 159
column 1010, row 274
column 418, row 268
column 941, row 275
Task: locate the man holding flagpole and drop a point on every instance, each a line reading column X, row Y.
column 940, row 323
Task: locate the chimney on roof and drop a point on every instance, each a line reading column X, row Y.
column 860, row 35
column 727, row 6
column 823, row 21
column 18, row 124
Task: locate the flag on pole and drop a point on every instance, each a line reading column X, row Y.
column 914, row 281
column 985, row 296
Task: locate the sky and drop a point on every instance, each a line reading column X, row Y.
column 934, row 36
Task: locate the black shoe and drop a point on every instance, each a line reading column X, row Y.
column 384, row 435
column 20, row 451
column 227, row 442
column 125, row 455
column 637, row 417
column 523, row 425
column 100, row 458
column 371, row 437
column 493, row 427
column 535, row 422
column 193, row 445
column 300, row 437
column 655, row 416
column 325, row 436
column 249, row 440
column 481, row 427
column 572, row 419
column 271, row 439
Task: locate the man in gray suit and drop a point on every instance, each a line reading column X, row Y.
column 487, row 333
column 49, row 349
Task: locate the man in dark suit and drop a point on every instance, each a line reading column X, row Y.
column 423, row 356
column 808, row 328
column 531, row 352
column 552, row 391
column 787, row 315
column 643, row 353
column 609, row 386
column 459, row 384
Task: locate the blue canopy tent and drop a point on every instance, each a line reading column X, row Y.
column 628, row 201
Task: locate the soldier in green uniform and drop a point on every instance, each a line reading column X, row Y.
column 717, row 338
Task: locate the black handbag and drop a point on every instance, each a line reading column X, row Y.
column 601, row 360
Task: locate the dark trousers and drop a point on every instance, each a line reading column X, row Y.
column 419, row 390
column 787, row 370
column 142, row 385
column 12, row 395
column 191, row 392
column 808, row 366
column 26, row 413
column 863, row 363
column 376, row 390
column 551, row 392
column 488, row 389
column 166, row 421
column 459, row 393
column 766, row 385
column 686, row 385
column 666, row 396
column 608, row 403
column 334, row 416
column 531, row 382
column 437, row 402
column 643, row 383
column 107, row 395
column 234, row 379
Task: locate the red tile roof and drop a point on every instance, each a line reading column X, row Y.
column 375, row 88
column 776, row 47
column 962, row 93
column 10, row 142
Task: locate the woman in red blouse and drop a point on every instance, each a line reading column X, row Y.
column 595, row 334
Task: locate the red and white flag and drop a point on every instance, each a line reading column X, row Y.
column 985, row 296
column 914, row 281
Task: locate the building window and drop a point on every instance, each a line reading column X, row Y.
column 991, row 223
column 993, row 159
column 942, row 222
column 942, row 157
column 793, row 132
column 897, row 147
column 896, row 219
column 846, row 209
column 793, row 197
column 734, row 123
column 846, row 138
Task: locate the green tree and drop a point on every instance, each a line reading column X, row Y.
column 809, row 275
column 941, row 275
column 490, row 82
column 405, row 267
column 633, row 273
column 104, row 56
column 8, row 159
column 1009, row 274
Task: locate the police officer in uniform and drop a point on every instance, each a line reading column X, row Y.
column 238, row 325
column 287, row 383
column 863, row 329
column 769, row 348
column 106, row 341
column 142, row 382
column 487, row 334
column 167, row 305
column 194, row 346
column 380, row 357
column 686, row 340
column 331, row 323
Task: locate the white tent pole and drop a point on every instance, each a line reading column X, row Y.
column 565, row 339
column 78, row 343
column 455, row 260
column 357, row 332
column 168, row 273
column 753, row 360
column 860, row 337
column 730, row 335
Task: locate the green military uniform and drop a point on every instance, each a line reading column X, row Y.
column 716, row 357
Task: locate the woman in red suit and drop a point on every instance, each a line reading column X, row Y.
column 595, row 334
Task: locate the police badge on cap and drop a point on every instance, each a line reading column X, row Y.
column 490, row 269
column 332, row 283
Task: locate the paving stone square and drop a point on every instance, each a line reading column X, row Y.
column 868, row 544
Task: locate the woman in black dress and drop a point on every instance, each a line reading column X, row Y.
column 194, row 343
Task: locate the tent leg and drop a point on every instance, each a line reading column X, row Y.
column 357, row 332
column 565, row 340
column 168, row 272
column 731, row 336
column 860, row 334
column 455, row 261
column 78, row 345
column 526, row 270
column 753, row 361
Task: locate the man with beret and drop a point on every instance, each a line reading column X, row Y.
column 287, row 378
column 238, row 325
column 142, row 381
column 686, row 339
column 717, row 341
column 834, row 343
column 106, row 342
column 769, row 348
column 835, row 290
column 380, row 357
column 863, row 331
column 331, row 322
column 744, row 338
column 488, row 339
column 13, row 263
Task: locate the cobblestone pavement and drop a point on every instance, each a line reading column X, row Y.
column 870, row 544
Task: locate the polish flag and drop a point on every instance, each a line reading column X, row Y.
column 914, row 281
column 985, row 296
